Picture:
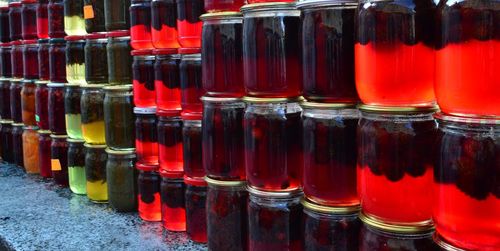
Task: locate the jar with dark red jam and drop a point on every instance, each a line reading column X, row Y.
column 163, row 24
column 5, row 99
column 395, row 164
column 274, row 220
column 189, row 23
column 146, row 137
column 227, row 218
column 196, row 213
column 17, row 144
column 30, row 59
column 28, row 19
column 466, row 185
column 42, row 20
column 148, row 184
column 119, row 58
column 4, row 24
column 271, row 59
column 16, row 110
column 15, row 20
column 330, row 228
column 56, row 19
column 143, row 74
column 222, row 137
column 5, row 60
column 192, row 147
column 74, row 24
column 75, row 60
column 41, row 105
column 59, row 159
column 56, row 111
column 122, row 180
column 394, row 56
column 170, row 148
column 116, row 15
column 96, row 63
column 44, row 153
column 6, row 138
column 16, row 59
column 173, row 206
column 119, row 117
column 329, row 176
column 28, row 102
column 222, row 61
column 95, row 170
column 223, row 5
column 93, row 12
column 57, row 60
column 273, row 144
column 191, row 80
column 43, row 59
column 140, row 24
column 167, row 79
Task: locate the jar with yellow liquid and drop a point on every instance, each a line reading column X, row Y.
column 95, row 171
column 92, row 114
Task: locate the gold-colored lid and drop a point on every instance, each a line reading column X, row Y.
column 443, row 244
column 55, row 136
column 93, row 86
column 423, row 227
column 316, row 105
column 219, row 100
column 111, row 88
column 41, row 82
column 225, row 15
column 51, row 84
column 44, row 132
column 329, row 210
column 486, row 120
column 76, row 140
column 326, row 3
column 6, row 121
column 397, row 109
column 268, row 6
column 225, row 183
column 120, row 152
column 17, row 124
column 274, row 194
column 271, row 100
column 95, row 146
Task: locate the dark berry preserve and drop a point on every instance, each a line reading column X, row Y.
column 44, row 154
column 41, row 105
column 192, row 144
column 140, row 24
column 56, row 19
column 15, row 20
column 59, row 159
column 167, row 79
column 173, row 205
column 196, row 213
column 42, row 20
column 191, row 80
column 5, row 60
column 30, row 59
column 170, row 149
column 43, row 59
column 28, row 19
column 6, row 138
column 146, row 135
column 57, row 60
column 16, row 110
column 16, row 59
column 143, row 75
column 148, row 184
column 188, row 22
column 5, row 113
column 163, row 24
column 17, row 145
column 4, row 24
column 56, row 111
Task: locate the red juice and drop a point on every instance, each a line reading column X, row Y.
column 57, row 60
column 188, row 22
column 17, row 145
column 6, row 138
column 16, row 59
column 173, row 205
column 163, row 24
column 4, row 24
column 192, row 148
column 5, row 99
column 148, row 184
column 15, row 21
column 140, row 24
column 171, row 156
column 5, row 60
column 28, row 19
column 268, row 1
column 167, row 79
column 191, row 80
column 42, row 20
column 30, row 59
column 56, row 19
column 143, row 75
column 196, row 213
column 223, row 5
column 41, row 105
column 59, row 159
column 56, row 111
column 43, row 59
column 146, row 137
column 15, row 101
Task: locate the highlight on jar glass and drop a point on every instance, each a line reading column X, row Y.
column 93, row 13
column 167, row 79
column 43, row 59
column 28, row 102
column 95, row 171
column 4, row 24
column 222, row 59
column 116, row 15
column 164, row 24
column 16, row 59
column 189, row 23
column 57, row 60
column 30, row 150
column 17, row 144
column 140, row 24
column 96, row 64
column 146, row 135
column 214, row 6
column 122, row 179
column 274, row 220
column 56, row 19
column 42, row 20
column 5, row 99
column 143, row 74
column 30, row 59
column 191, row 80
column 148, row 184
column 28, row 19
column 196, row 213
column 394, row 55
column 76, row 166
column 73, row 113
column 74, row 24
column 192, row 147
column 119, row 117
column 273, row 146
column 15, row 20
column 173, row 206
column 92, row 110
column 170, row 146
column 56, row 109
column 119, row 58
column 6, row 137
column 15, row 100
column 59, row 159
column 466, row 195
column 75, row 60
column 271, row 61
column 5, row 60
column 330, row 152
column 222, row 137
column 227, row 226
column 44, row 153
column 41, row 105
column 395, row 165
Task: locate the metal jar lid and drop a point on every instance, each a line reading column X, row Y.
column 397, row 109
column 146, row 110
column 120, row 152
column 329, row 209
column 313, row 4
column 423, row 227
column 225, row 15
column 95, row 146
column 265, row 7
column 225, row 183
column 249, row 99
column 275, row 194
column 314, row 105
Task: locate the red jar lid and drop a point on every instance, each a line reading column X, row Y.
column 165, row 51
column 189, row 50
column 168, row 113
column 147, row 167
column 29, row 1
column 15, row 4
column 5, row 44
column 17, row 42
column 199, row 182
column 74, row 38
column 171, row 175
column 191, row 116
column 141, row 52
column 119, row 33
column 96, row 35
column 34, row 41
column 4, row 7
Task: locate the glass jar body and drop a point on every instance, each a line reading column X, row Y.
column 28, row 103
column 116, row 15
column 95, row 172
column 57, row 61
column 74, row 24
column 149, row 199
column 122, row 182
column 43, row 60
column 94, row 19
column 191, row 83
column 30, row 60
column 146, row 138
column 57, row 122
column 192, row 148
column 44, row 154
column 16, row 110
column 144, row 81
column 173, row 206
column 75, row 62
column 170, row 149
column 92, row 110
column 167, row 82
column 56, row 19
column 41, row 106
column 76, row 167
column 140, row 25
column 196, row 213
column 119, row 119
column 119, row 61
column 96, row 64
column 59, row 160
column 189, row 23
column 163, row 24
column 73, row 118
column 17, row 144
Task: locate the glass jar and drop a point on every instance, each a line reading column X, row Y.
column 30, row 59
column 17, row 144
column 57, row 121
column 30, row 150
column 191, row 80
column 43, row 59
column 274, row 220
column 192, row 148
column 222, row 60
column 15, row 21
column 59, row 159
column 122, row 180
column 57, row 60
column 6, row 138
column 4, row 24
column 5, row 60
column 75, row 60
column 148, row 184
column 5, row 99
column 273, row 146
column 227, row 225
column 196, row 213
column 189, row 23
column 56, row 19
column 28, row 19
column 271, row 58
column 170, row 149
column 330, row 152
column 140, row 24
column 41, row 105
column 466, row 195
column 93, row 13
column 74, row 24
column 173, row 205
column 95, row 171
column 167, row 80
column 73, row 118
column 42, row 20
column 96, row 64
column 116, row 15
column 119, row 117
column 395, row 164
column 144, row 78
column 28, row 102
column 163, row 24
column 44, row 153
column 76, row 166
column 394, row 55
column 222, row 137
column 119, row 58
column 92, row 110
column 16, row 59
column 146, row 138
column 16, row 110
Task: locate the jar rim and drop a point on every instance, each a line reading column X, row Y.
column 171, row 175
column 44, row 132
column 31, row 128
column 57, row 41
column 73, row 140
column 250, row 99
column 120, row 152
column 118, row 33
column 187, row 50
column 142, row 52
column 6, row 121
column 199, row 182
column 325, row 3
column 30, row 41
column 224, row 15
column 168, row 113
column 93, row 86
column 75, row 38
column 225, row 183
column 443, row 244
column 18, row 124
column 422, row 227
column 219, row 99
column 482, row 120
column 56, row 136
column 147, row 167
column 95, row 146
column 51, row 84
column 274, row 6
column 165, row 51
column 315, row 105
column 145, row 110
column 41, row 82
column 96, row 35
column 330, row 209
column 397, row 109
column 274, row 194
column 117, row 88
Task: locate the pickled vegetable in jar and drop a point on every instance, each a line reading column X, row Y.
column 59, row 159
column 72, row 96
column 119, row 58
column 140, row 24
column 76, row 166
column 17, row 144
column 95, row 171
column 57, row 122
column 144, row 78
column 92, row 114
column 93, row 13
column 42, row 20
column 44, row 153
column 167, row 79
column 41, row 105
column 146, row 135
column 117, row 15
column 163, row 24
column 148, row 184
column 74, row 24
column 15, row 100
column 30, row 150
column 57, row 60
column 119, row 117
column 30, row 59
column 75, row 60
column 96, row 64
column 28, row 102
column 122, row 180
column 56, row 19
column 196, row 212
column 43, row 59
column 173, row 206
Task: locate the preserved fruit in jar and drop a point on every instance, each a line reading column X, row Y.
column 44, row 153
column 173, row 206
column 59, row 159
column 30, row 59
column 192, row 148
column 30, row 150
column 119, row 117
column 74, row 24
column 170, row 148
column 43, row 59
column 42, row 20
column 140, row 24
column 144, row 78
column 191, row 81
column 57, row 60
column 16, row 59
column 119, row 58
column 17, row 144
column 5, row 60
column 73, row 118
column 92, row 110
column 15, row 20
column 57, row 121
column 75, row 60
column 28, row 19
column 28, row 102
column 5, row 99
column 188, row 22
column 196, row 213
column 148, row 184
column 116, row 14
column 167, row 79
column 122, row 180
column 76, row 166
column 95, row 171
column 6, row 138
column 16, row 110
column 96, row 64
column 93, row 13
column 4, row 24
column 223, row 5
column 41, row 105
column 56, row 19
column 163, row 24
column 146, row 135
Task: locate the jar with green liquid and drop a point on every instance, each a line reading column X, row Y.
column 74, row 23
column 72, row 94
column 95, row 171
column 76, row 166
column 92, row 103
column 75, row 60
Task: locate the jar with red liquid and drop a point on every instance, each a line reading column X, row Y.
column 191, row 80
column 6, row 138
column 119, row 59
column 59, row 159
column 146, row 137
column 227, row 222
column 394, row 55
column 17, row 144
column 96, row 63
column 330, row 228
column 30, row 59
column 28, row 19
column 273, row 144
column 43, row 59
column 57, row 60
column 192, row 147
column 196, row 213
column 5, row 99
column 16, row 59
column 222, row 137
column 395, row 165
column 274, row 220
column 140, row 24
column 222, row 60
column 148, row 184
column 15, row 21
column 16, row 110
column 143, row 75
column 44, row 154
column 330, row 153
column 56, row 111
column 28, row 102
column 5, row 60
column 4, row 24
column 271, row 60
column 189, row 23
column 42, row 20
column 170, row 147
column 214, row 6
column 56, row 19
column 167, row 79
column 116, row 15
column 41, row 105
column 466, row 194
column 163, row 24
column 173, row 205
column 93, row 13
